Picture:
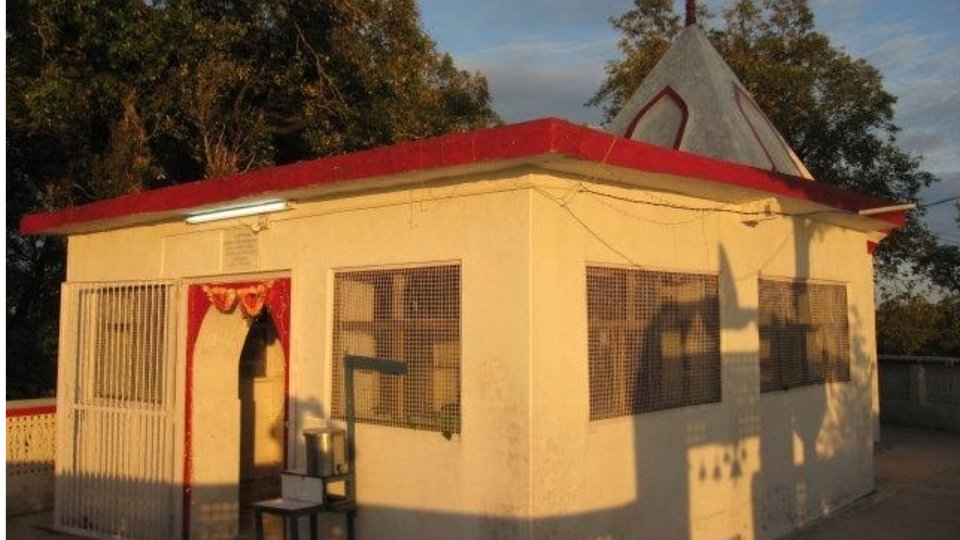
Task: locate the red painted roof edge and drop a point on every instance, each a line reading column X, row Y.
column 592, row 145
column 528, row 139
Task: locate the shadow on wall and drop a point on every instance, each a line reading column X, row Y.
column 134, row 503
column 815, row 441
column 753, row 465
column 756, row 465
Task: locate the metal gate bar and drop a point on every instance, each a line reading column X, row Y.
column 116, row 424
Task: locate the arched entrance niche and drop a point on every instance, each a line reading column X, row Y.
column 233, row 328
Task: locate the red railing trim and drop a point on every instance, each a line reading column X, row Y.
column 35, row 410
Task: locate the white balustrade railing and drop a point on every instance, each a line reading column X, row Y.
column 31, row 436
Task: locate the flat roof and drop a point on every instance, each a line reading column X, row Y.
column 548, row 143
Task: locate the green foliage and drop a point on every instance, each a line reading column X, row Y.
column 106, row 97
column 831, row 108
column 940, row 263
column 34, row 271
column 449, row 419
column 911, row 324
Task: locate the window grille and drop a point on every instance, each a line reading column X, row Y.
column 804, row 336
column 411, row 315
column 126, row 333
column 654, row 340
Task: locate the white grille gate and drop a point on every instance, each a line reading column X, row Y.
column 116, row 415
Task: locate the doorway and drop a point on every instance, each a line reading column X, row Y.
column 260, row 391
column 235, row 401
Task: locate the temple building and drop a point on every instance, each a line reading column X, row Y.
column 664, row 330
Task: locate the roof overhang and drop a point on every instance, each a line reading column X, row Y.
column 549, row 144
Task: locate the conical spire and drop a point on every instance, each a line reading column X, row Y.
column 692, row 101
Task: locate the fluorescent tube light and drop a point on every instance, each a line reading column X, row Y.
column 238, row 211
column 888, row 209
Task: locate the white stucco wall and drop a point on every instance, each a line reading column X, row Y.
column 409, row 482
column 751, row 466
column 528, row 462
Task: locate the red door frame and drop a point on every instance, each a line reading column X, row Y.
column 275, row 295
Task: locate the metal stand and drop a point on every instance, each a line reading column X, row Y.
column 346, row 504
column 351, row 363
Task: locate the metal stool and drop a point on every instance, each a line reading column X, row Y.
column 290, row 510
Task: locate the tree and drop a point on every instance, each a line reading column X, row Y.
column 831, row 108
column 106, row 97
column 940, row 263
column 912, row 324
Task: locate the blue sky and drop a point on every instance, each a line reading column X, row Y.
column 546, row 58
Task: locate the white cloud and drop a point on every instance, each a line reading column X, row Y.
column 915, row 47
column 537, row 79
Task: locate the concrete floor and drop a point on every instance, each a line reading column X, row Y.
column 38, row 527
column 918, row 492
column 33, row 527
column 918, row 496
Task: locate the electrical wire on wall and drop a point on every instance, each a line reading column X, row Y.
column 702, row 212
column 421, row 195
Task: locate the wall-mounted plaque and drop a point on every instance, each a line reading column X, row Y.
column 240, row 251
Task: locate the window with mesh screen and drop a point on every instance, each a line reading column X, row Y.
column 804, row 337
column 123, row 342
column 654, row 340
column 411, row 315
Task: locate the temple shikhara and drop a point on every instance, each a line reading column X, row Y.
column 663, row 330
